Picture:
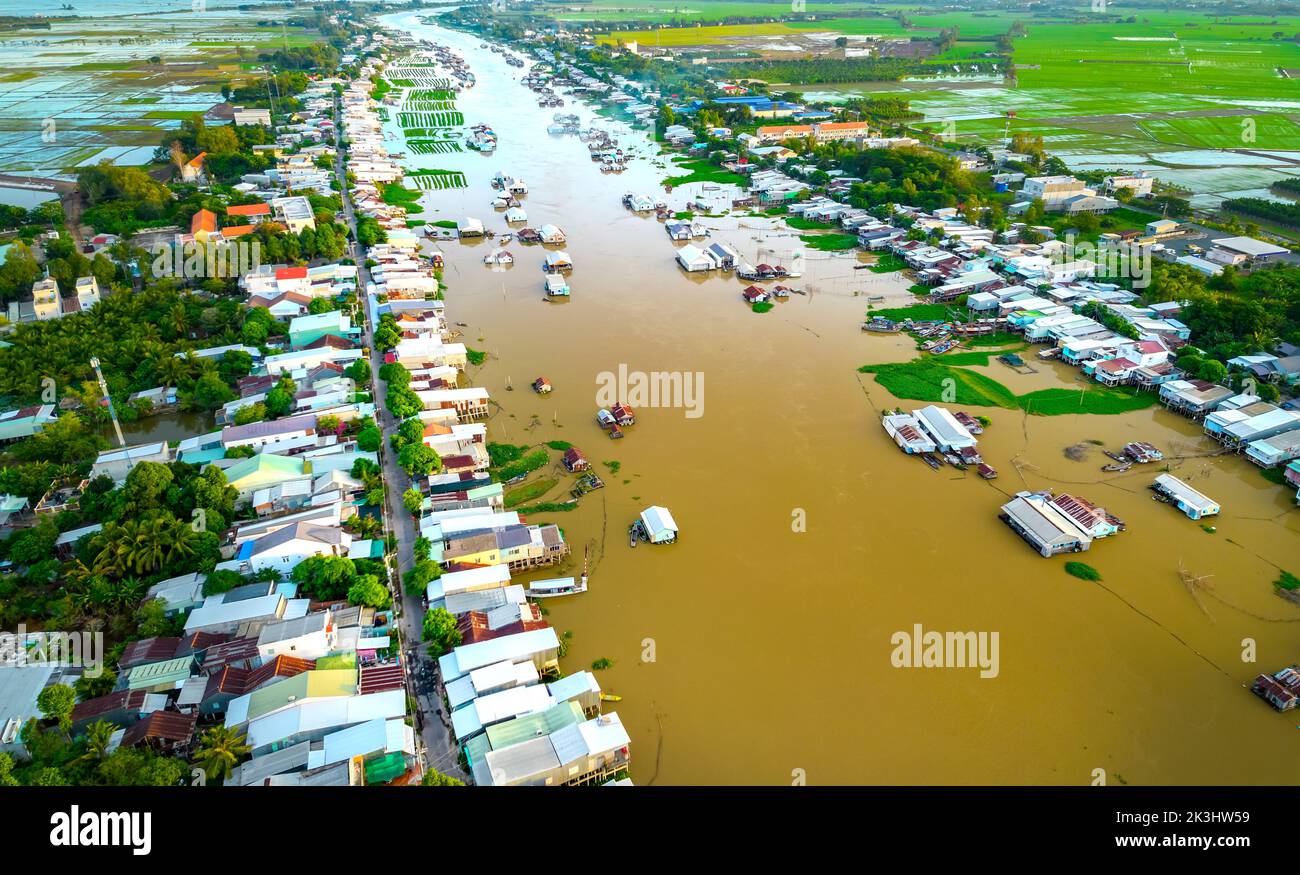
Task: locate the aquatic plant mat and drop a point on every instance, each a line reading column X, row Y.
column 437, row 180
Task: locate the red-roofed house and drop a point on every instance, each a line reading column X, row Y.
column 192, row 170
column 253, row 213
column 203, row 223
column 1112, row 372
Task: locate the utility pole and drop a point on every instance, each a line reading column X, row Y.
column 103, row 387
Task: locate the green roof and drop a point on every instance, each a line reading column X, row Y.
column 476, row 748
column 169, row 672
column 308, row 685
column 287, row 465
column 341, row 660
column 532, row 725
column 383, row 769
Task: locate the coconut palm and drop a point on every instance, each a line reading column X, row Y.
column 220, row 750
column 98, row 737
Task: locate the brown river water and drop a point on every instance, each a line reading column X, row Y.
column 751, row 652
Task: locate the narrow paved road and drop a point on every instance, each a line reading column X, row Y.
column 437, row 746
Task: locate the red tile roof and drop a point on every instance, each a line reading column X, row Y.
column 203, row 220
column 291, row 273
column 377, row 678
column 249, row 210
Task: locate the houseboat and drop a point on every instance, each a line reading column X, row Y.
column 557, row 286
column 657, row 525
column 501, row 256
column 971, row 424
column 557, row 586
column 1171, row 490
column 623, row 414
column 542, row 386
column 1143, row 452
column 988, row 472
column 574, row 461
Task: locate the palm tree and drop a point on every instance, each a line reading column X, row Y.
column 220, row 750
column 98, row 737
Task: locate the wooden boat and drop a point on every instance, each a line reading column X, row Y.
column 930, row 460
column 1117, row 468
column 557, row 586
column 634, row 533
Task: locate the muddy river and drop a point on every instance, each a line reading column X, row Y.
column 757, row 649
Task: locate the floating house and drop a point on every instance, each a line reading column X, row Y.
column 693, row 259
column 557, row 286
column 948, row 434
column 658, row 525
column 557, row 261
column 551, row 234
column 1143, row 452
column 1184, row 497
column 1046, row 528
column 469, row 228
column 1281, row 690
column 906, row 432
column 575, row 461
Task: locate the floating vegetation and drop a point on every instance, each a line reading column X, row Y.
column 438, row 180
column 1082, row 571
column 433, row 147
column 451, row 119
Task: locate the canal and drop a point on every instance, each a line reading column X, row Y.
column 757, row 649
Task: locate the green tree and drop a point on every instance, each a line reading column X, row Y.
column 220, row 750
column 434, row 778
column 56, row 702
column 418, row 460
column 440, row 631
column 367, row 590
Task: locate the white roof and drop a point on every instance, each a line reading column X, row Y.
column 1248, row 246
column 220, row 613
column 464, row 581
column 658, row 519
column 311, row 715
column 944, row 427
column 499, row 706
column 515, row 648
column 1184, row 493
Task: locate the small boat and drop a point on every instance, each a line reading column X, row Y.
column 988, row 472
column 633, row 534
column 610, row 697
column 545, row 589
column 930, row 460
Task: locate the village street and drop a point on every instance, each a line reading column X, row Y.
column 437, row 746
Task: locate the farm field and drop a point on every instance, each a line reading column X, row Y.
column 85, row 90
